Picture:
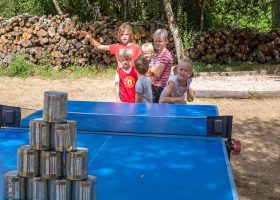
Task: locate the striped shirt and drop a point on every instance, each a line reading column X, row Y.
column 166, row 58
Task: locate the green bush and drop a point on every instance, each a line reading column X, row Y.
column 20, row 67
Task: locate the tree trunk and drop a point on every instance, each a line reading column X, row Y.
column 95, row 9
column 203, row 3
column 276, row 14
column 173, row 28
column 124, row 7
column 56, row 4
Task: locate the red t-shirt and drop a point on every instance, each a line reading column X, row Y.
column 136, row 50
column 127, row 82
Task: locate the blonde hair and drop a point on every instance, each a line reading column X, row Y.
column 188, row 63
column 125, row 27
column 125, row 53
column 161, row 33
column 148, row 46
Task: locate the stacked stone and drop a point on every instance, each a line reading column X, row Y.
column 51, row 166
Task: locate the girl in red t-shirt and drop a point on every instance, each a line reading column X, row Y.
column 125, row 37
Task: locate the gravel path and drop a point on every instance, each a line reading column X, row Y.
column 237, row 83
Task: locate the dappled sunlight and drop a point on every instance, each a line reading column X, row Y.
column 256, row 169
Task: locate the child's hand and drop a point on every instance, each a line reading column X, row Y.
column 150, row 73
column 190, row 95
column 180, row 100
column 84, row 34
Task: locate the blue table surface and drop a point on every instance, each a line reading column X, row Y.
column 137, row 167
column 142, row 151
column 137, row 118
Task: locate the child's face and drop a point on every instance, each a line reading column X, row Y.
column 183, row 71
column 125, row 63
column 148, row 54
column 159, row 43
column 125, row 37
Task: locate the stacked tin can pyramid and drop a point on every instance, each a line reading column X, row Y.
column 51, row 166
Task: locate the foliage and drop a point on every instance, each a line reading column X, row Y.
column 2, row 70
column 17, row 7
column 20, row 67
column 187, row 32
column 218, row 13
column 241, row 13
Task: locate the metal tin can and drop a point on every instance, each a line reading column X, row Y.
column 85, row 189
column 77, row 164
column 51, row 164
column 37, row 188
column 55, row 106
column 14, row 186
column 28, row 161
column 40, row 134
column 64, row 136
column 60, row 189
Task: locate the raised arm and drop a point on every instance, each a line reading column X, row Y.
column 94, row 43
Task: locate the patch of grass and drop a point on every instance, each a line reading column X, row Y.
column 45, row 71
column 74, row 72
column 235, row 66
column 77, row 72
column 20, row 67
column 108, row 72
column 2, row 70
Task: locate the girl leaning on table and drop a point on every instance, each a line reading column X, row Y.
column 179, row 84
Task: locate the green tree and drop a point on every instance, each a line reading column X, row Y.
column 243, row 13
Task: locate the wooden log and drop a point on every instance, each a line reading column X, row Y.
column 26, row 36
column 51, row 31
column 41, row 33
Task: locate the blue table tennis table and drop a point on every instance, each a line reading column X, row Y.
column 142, row 151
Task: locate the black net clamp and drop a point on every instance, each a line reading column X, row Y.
column 10, row 116
column 219, row 126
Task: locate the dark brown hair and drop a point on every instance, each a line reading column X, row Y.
column 141, row 65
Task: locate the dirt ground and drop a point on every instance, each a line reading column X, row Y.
column 256, row 124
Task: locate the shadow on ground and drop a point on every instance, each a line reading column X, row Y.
column 257, row 169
